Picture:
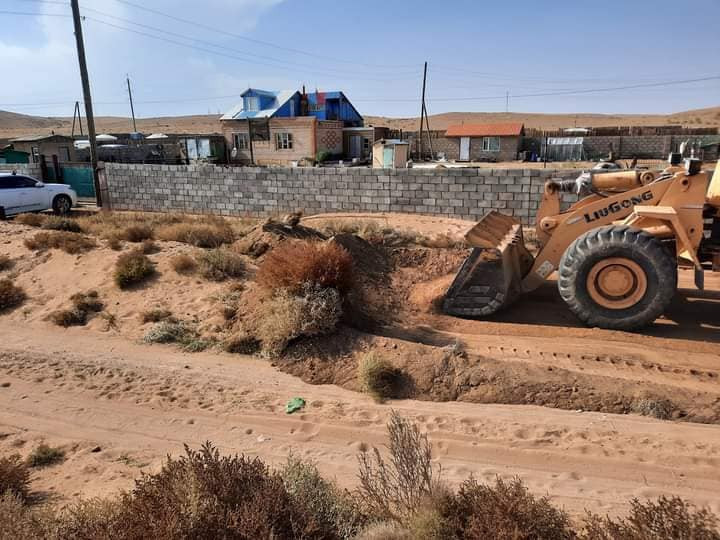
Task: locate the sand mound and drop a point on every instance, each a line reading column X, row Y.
column 267, row 236
column 367, row 258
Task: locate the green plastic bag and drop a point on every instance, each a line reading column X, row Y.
column 295, row 404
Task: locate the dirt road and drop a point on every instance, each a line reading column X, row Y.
column 119, row 407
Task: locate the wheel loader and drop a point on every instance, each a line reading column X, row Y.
column 616, row 251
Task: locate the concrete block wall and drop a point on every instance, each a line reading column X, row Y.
column 260, row 192
column 31, row 169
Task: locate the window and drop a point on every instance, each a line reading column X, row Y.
column 366, row 145
column 283, row 141
column 252, row 103
column 491, row 144
column 15, row 182
column 35, row 154
column 241, row 141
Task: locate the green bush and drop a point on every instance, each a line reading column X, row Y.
column 132, row 268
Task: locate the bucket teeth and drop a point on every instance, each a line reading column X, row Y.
column 491, row 276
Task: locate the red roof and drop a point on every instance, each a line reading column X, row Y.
column 510, row 129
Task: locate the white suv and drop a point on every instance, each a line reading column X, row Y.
column 21, row 193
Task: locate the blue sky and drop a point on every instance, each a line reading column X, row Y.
column 372, row 50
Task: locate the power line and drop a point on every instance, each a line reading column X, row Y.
column 216, row 45
column 256, row 41
column 35, row 14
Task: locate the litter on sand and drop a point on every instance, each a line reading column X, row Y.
column 295, row 404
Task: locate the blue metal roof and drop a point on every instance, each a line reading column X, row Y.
column 275, row 99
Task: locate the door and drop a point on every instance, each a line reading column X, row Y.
column 355, row 146
column 388, row 157
column 464, row 148
column 80, row 179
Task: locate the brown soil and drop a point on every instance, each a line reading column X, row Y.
column 88, row 386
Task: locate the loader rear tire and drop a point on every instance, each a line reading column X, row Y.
column 617, row 277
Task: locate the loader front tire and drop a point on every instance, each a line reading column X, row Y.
column 617, row 277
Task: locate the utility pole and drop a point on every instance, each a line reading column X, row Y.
column 422, row 111
column 86, row 96
column 132, row 109
column 507, row 101
column 76, row 114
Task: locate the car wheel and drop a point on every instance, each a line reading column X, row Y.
column 62, row 205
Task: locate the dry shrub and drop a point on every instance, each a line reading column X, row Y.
column 361, row 228
column 241, row 344
column 183, row 264
column 169, row 332
column 18, row 521
column 136, row 233
column 661, row 409
column 44, row 456
column 220, row 264
column 198, row 234
column 132, row 268
column 14, row 476
column 293, row 264
column 114, row 243
column 386, row 530
column 5, row 263
column 148, row 247
column 156, row 315
column 204, row 495
column 396, row 489
column 72, row 243
column 503, row 510
column 89, row 301
column 57, row 223
column 11, row 296
column 379, row 378
column 328, row 507
column 31, row 220
column 287, row 316
column 668, row 518
column 68, row 317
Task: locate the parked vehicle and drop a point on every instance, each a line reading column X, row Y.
column 21, row 193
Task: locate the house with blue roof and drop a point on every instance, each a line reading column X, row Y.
column 283, row 127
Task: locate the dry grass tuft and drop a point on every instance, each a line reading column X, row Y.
column 201, row 235
column 31, row 220
column 379, row 378
column 169, row 332
column 286, row 316
column 11, row 296
column 136, row 233
column 661, row 409
column 57, row 223
column 156, row 315
column 387, row 530
column 68, row 317
column 220, row 264
column 293, row 264
column 132, row 268
column 68, row 242
column 5, row 263
column 183, row 264
column 148, row 247
column 88, row 301
column 44, row 456
column 14, row 476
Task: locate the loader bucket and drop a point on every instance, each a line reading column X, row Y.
column 490, row 278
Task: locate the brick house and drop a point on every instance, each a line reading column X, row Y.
column 278, row 128
column 485, row 142
column 36, row 146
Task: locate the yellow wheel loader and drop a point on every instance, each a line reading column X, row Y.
column 616, row 251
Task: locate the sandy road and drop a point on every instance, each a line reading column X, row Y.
column 138, row 403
